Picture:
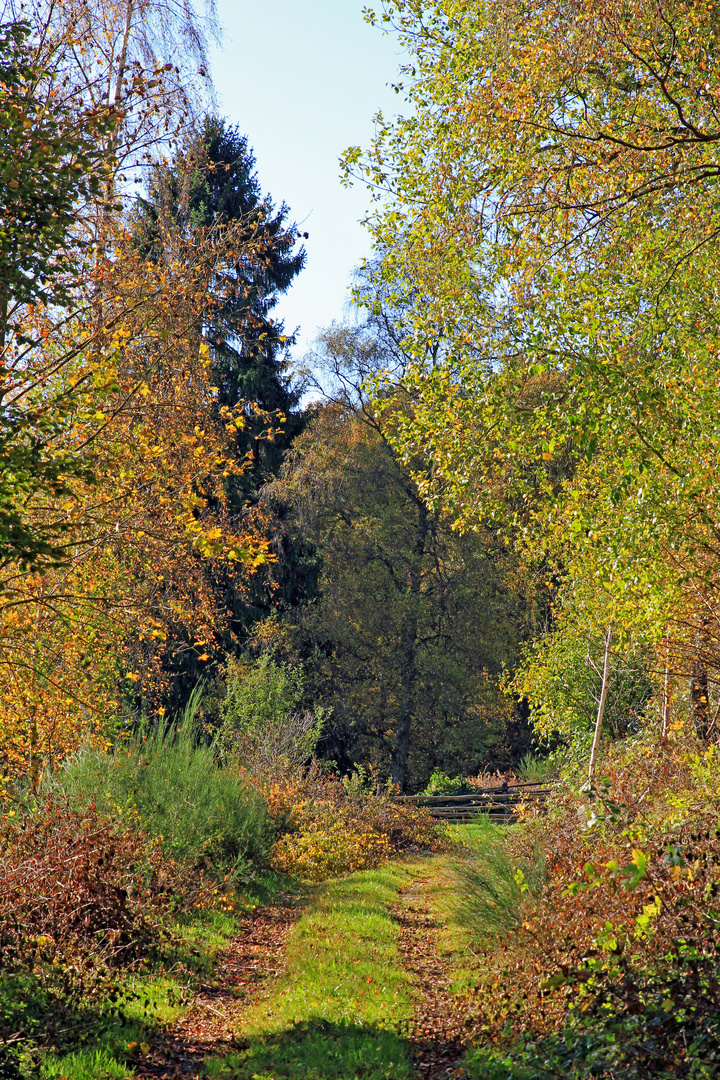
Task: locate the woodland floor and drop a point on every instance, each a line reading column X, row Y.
column 434, row 1027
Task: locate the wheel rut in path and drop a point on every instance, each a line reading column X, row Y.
column 442, row 1022
column 238, row 976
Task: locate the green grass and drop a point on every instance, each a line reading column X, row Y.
column 106, row 1037
column 87, row 1039
column 170, row 781
column 97, row 1064
column 493, row 885
column 336, row 1012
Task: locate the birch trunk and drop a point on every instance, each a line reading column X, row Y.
column 601, row 710
column 666, row 696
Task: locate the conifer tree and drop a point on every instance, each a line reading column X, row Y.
column 211, row 181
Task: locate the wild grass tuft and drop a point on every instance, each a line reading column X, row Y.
column 536, row 769
column 494, row 882
column 169, row 780
column 85, row 1065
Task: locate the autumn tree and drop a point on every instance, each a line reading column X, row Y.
column 550, row 198
column 412, row 623
column 83, row 641
column 86, row 93
column 54, row 161
column 115, row 366
column 145, row 59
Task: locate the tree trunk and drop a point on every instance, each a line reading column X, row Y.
column 407, row 704
column 601, row 710
column 408, row 654
column 666, row 694
column 699, row 697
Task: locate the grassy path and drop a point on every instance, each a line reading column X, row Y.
column 363, row 977
column 337, row 1011
column 376, row 984
column 253, row 956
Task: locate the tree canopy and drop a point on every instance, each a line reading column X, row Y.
column 413, row 623
column 547, row 209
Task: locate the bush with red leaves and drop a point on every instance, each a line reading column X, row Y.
column 612, row 967
column 77, row 887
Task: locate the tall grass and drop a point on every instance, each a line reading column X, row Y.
column 170, row 781
column 536, row 768
column 494, row 881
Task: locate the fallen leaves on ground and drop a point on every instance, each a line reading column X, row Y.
column 211, row 1024
column 442, row 1021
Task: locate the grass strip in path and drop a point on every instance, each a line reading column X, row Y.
column 336, row 1012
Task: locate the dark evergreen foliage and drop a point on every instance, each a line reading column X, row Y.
column 213, row 181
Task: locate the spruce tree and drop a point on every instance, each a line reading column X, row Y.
column 213, row 181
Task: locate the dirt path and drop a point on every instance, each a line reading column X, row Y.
column 442, row 1021
column 214, row 1017
column 439, row 1028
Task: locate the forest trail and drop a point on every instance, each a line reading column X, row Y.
column 441, row 1019
column 359, row 980
column 240, row 971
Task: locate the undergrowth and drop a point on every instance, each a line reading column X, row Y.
column 497, row 881
column 64, row 1013
column 109, row 875
column 329, row 828
column 169, row 781
column 596, row 923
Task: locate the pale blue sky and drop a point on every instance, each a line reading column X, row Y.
column 303, row 79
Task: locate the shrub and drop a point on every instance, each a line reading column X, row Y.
column 173, row 783
column 442, row 784
column 327, row 848
column 263, row 725
column 75, row 885
column 331, row 828
column 612, row 969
